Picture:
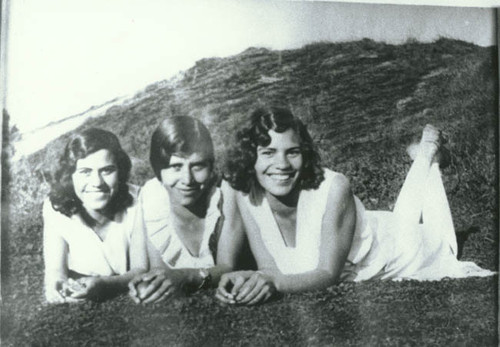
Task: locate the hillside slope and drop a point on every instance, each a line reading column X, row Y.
column 363, row 102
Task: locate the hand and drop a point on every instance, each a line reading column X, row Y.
column 60, row 291
column 248, row 288
column 156, row 285
column 54, row 292
column 91, row 287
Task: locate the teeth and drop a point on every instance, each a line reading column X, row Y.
column 281, row 177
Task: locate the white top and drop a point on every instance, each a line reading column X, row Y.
column 305, row 255
column 155, row 208
column 380, row 249
column 87, row 253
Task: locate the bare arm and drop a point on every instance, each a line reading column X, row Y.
column 337, row 231
column 55, row 254
column 162, row 278
column 104, row 286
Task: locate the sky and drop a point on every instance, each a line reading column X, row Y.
column 65, row 56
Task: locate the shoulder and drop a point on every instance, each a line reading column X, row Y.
column 151, row 186
column 153, row 192
column 133, row 190
column 49, row 212
column 54, row 222
column 339, row 190
column 226, row 189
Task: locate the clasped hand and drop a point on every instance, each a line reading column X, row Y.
column 245, row 288
column 156, row 285
column 70, row 290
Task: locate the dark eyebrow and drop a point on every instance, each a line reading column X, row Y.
column 200, row 162
column 261, row 148
column 108, row 167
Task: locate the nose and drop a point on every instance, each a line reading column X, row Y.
column 282, row 161
column 186, row 176
column 96, row 179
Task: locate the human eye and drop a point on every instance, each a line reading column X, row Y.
column 266, row 152
column 83, row 171
column 199, row 166
column 108, row 170
column 294, row 152
column 175, row 167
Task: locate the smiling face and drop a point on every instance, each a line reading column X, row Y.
column 187, row 178
column 95, row 180
column 279, row 165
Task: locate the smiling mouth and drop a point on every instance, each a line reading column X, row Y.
column 96, row 192
column 189, row 191
column 282, row 176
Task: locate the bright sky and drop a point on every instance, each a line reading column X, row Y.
column 65, row 56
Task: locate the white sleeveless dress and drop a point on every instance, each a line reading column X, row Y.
column 87, row 253
column 155, row 209
column 379, row 249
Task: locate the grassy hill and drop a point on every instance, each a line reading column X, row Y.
column 363, row 102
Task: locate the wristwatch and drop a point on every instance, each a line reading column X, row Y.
column 206, row 279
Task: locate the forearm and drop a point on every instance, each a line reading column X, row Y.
column 311, row 280
column 194, row 279
column 119, row 283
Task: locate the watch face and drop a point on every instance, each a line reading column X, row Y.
column 205, row 278
column 204, row 273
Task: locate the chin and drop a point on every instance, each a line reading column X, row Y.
column 96, row 205
column 280, row 192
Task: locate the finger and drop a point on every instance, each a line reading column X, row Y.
column 55, row 298
column 158, row 293
column 135, row 281
column 237, row 283
column 262, row 296
column 221, row 297
column 135, row 299
column 132, row 290
column 222, row 288
column 165, row 295
column 260, row 285
column 77, row 295
column 71, row 300
column 149, row 276
column 134, row 294
column 152, row 287
column 247, row 288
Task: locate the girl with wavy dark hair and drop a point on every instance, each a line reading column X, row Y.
column 91, row 248
column 308, row 231
column 182, row 211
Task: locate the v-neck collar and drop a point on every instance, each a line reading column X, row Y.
column 275, row 236
column 211, row 218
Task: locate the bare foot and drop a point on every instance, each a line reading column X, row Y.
column 429, row 143
column 431, row 147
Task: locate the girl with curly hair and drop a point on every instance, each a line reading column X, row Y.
column 308, row 231
column 181, row 210
column 91, row 248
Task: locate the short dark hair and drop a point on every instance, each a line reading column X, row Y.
column 239, row 166
column 80, row 145
column 179, row 135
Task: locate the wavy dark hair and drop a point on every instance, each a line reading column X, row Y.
column 179, row 135
column 239, row 166
column 62, row 194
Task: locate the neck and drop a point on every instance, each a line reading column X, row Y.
column 286, row 202
column 96, row 218
column 198, row 209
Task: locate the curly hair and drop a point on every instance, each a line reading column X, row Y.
column 62, row 194
column 239, row 169
column 179, row 135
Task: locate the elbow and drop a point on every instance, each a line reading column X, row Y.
column 331, row 278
